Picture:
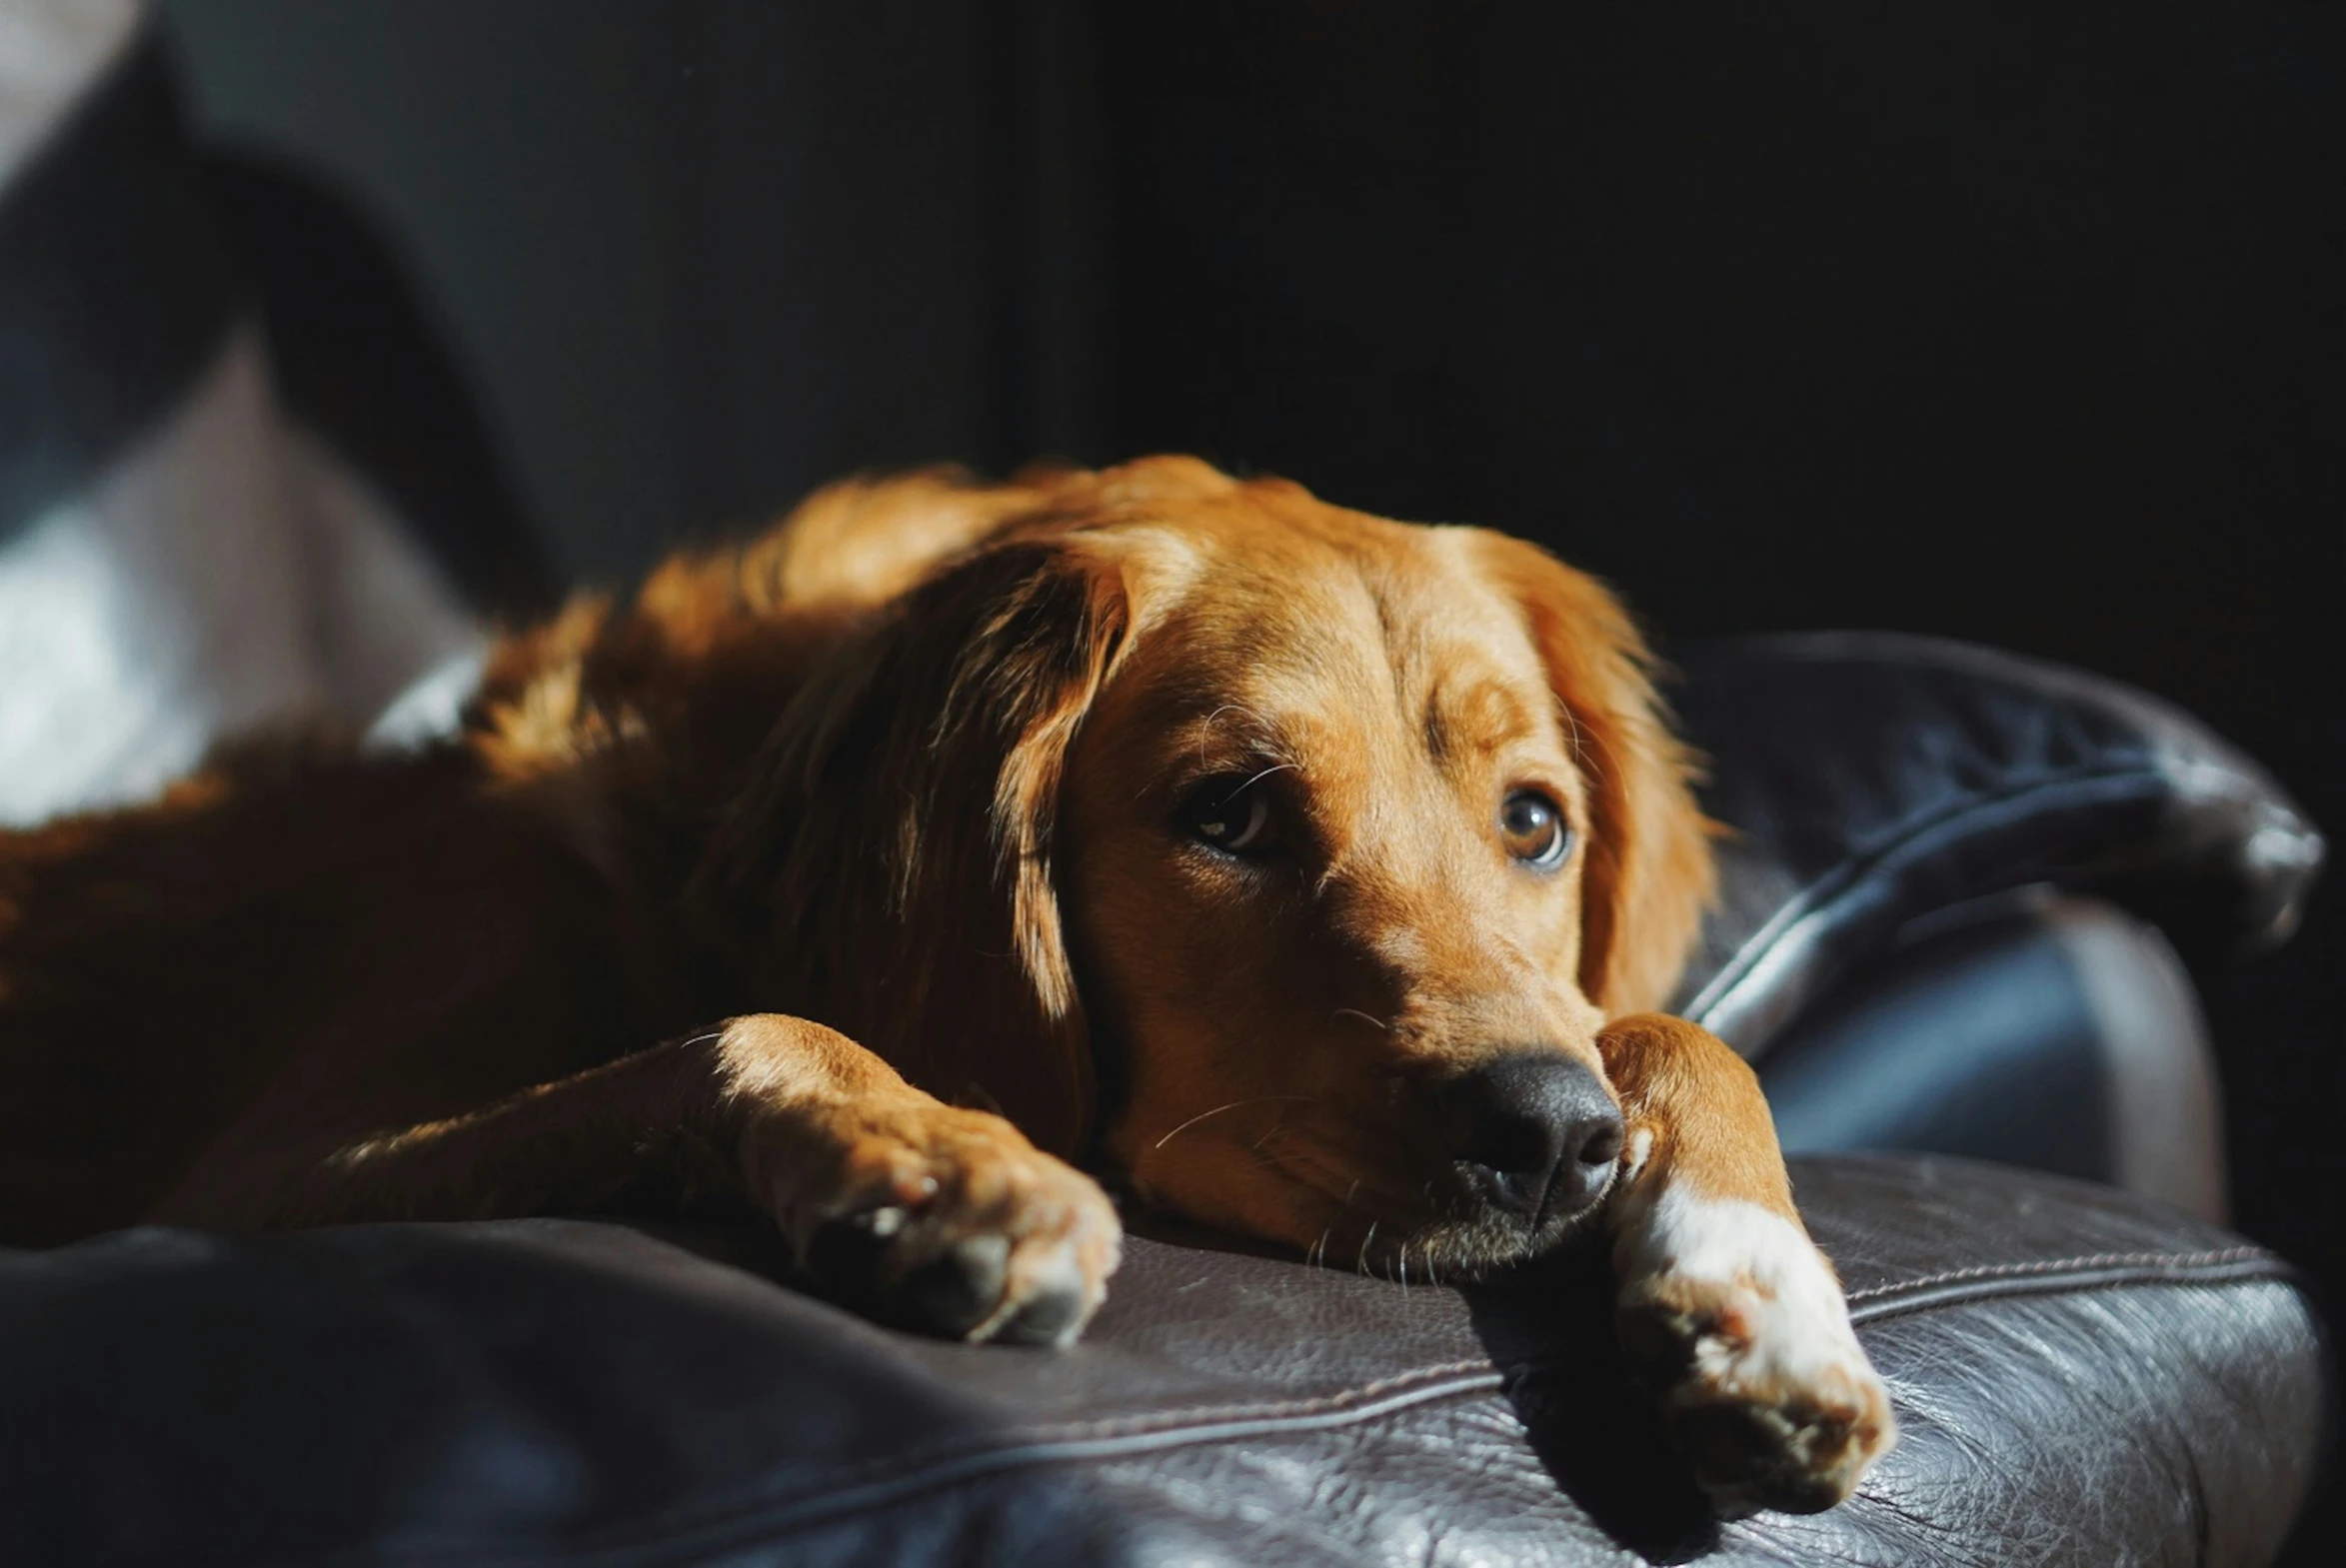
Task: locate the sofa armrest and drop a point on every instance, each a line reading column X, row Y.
column 1870, row 781
column 2059, row 1033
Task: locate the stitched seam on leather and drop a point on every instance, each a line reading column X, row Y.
column 2161, row 1261
column 1134, row 1425
column 806, row 1507
column 730, row 1525
column 894, row 1478
column 1429, row 1379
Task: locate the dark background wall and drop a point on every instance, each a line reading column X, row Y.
column 2017, row 322
column 700, row 255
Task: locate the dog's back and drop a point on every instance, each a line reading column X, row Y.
column 304, row 943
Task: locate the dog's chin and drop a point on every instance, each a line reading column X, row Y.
column 1465, row 1245
column 1445, row 1231
column 1473, row 1248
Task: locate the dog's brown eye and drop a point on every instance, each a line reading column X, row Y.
column 1533, row 827
column 1231, row 818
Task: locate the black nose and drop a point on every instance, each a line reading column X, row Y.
column 1537, row 1131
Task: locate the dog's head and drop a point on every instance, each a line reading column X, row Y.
column 1308, row 850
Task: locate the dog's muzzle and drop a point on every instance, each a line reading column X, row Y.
column 1534, row 1134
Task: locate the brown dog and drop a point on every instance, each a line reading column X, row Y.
column 1305, row 869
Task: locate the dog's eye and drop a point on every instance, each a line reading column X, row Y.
column 1534, row 827
column 1231, row 818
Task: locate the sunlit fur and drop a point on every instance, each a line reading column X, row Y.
column 840, row 870
column 907, row 765
column 1278, row 1025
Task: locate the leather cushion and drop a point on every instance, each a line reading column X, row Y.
column 2082, row 1378
column 2063, row 1035
column 1872, row 778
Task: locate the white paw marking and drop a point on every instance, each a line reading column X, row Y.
column 1801, row 1330
column 1741, row 1304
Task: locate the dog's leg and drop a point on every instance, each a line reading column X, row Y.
column 925, row 1215
column 1725, row 1304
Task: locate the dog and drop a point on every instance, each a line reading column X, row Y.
column 1310, row 874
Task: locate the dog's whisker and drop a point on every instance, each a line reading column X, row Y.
column 1257, row 1100
column 1369, row 1019
column 1365, row 1244
column 1205, row 725
column 1270, row 1163
column 1270, row 1133
column 1276, row 768
column 1205, row 728
column 1582, row 752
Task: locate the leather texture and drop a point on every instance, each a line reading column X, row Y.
column 2081, row 1378
column 2058, row 1034
column 1872, row 779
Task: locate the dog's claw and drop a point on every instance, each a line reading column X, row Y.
column 1056, row 1305
column 955, row 1291
column 947, row 1222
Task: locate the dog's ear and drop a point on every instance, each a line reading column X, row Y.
column 892, row 853
column 1648, row 873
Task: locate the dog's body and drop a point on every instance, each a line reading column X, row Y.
column 1308, row 872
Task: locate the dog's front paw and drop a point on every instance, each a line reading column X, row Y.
column 1735, row 1320
column 937, row 1220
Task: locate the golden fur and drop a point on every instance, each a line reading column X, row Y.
column 894, row 789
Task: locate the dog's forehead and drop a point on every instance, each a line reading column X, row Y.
column 1341, row 618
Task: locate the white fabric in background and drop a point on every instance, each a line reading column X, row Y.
column 224, row 574
column 157, row 610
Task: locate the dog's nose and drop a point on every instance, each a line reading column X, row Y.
column 1537, row 1131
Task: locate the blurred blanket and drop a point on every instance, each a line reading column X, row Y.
column 179, row 561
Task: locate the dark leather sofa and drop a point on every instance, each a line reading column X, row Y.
column 1962, row 902
column 2083, row 1374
